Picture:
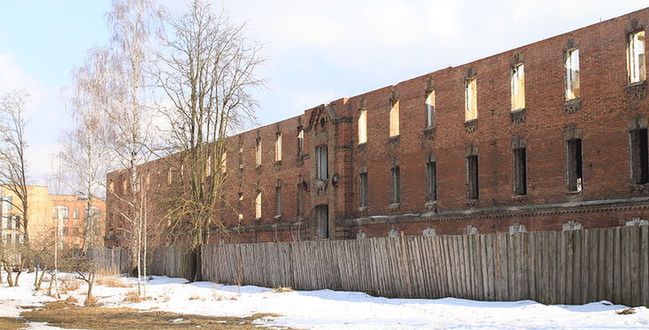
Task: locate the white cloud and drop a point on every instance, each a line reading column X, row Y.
column 45, row 112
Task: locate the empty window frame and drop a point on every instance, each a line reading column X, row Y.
column 258, row 206
column 278, row 147
column 362, row 127
column 363, row 189
column 278, row 201
column 430, row 108
column 394, row 118
column 431, row 180
column 635, row 55
column 574, row 165
column 520, row 171
column 472, row 177
column 518, row 87
column 395, row 197
column 471, row 99
column 639, row 156
column 258, row 152
column 300, row 142
column 572, row 74
column 322, row 163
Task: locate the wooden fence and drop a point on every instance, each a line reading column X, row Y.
column 173, row 261
column 110, row 261
column 571, row 267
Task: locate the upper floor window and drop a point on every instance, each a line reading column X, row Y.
column 75, row 213
column 430, row 108
column 635, row 57
column 322, row 170
column 394, row 118
column 518, row 87
column 363, row 189
column 471, row 99
column 258, row 152
column 572, row 74
column 224, row 162
column 278, row 147
column 395, row 196
column 300, row 142
column 362, row 127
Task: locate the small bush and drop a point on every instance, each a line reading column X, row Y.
column 282, row 290
column 195, row 297
column 626, row 311
column 133, row 297
column 112, row 281
column 71, row 300
column 165, row 297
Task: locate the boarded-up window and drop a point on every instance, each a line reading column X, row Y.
column 572, row 74
column 396, row 185
column 639, row 156
column 322, row 162
column 520, row 171
column 394, row 118
column 300, row 200
column 472, row 177
column 363, row 189
column 574, row 165
column 471, row 99
column 431, row 180
column 518, row 87
column 362, row 127
column 635, row 57
column 278, row 201
column 322, row 216
column 278, row 147
column 430, row 108
column 258, row 206
column 258, row 152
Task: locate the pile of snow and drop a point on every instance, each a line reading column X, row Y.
column 335, row 309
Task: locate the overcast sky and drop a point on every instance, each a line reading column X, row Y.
column 318, row 50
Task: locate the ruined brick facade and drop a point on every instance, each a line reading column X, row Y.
column 608, row 190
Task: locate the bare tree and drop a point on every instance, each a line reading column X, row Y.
column 84, row 148
column 13, row 145
column 133, row 23
column 207, row 71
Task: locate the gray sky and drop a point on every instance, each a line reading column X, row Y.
column 318, row 50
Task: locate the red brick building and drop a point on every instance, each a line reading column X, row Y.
column 547, row 136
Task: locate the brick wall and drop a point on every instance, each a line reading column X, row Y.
column 607, row 108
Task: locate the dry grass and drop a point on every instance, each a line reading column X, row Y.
column 10, row 323
column 71, row 300
column 91, row 301
column 282, row 290
column 166, row 296
column 112, row 281
column 133, row 297
column 195, row 297
column 626, row 311
column 68, row 284
column 65, row 315
column 218, row 296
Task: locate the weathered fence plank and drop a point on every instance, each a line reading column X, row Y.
column 571, row 267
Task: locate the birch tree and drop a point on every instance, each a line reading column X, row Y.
column 133, row 24
column 208, row 71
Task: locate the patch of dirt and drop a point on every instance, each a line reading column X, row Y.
column 11, row 323
column 66, row 315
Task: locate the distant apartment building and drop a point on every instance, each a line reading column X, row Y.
column 49, row 213
column 548, row 136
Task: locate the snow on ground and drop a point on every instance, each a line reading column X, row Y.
column 326, row 309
